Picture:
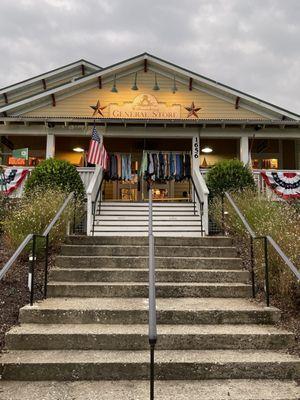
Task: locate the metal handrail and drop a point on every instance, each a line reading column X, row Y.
column 152, row 294
column 16, row 254
column 94, row 204
column 32, row 237
column 267, row 239
column 201, row 204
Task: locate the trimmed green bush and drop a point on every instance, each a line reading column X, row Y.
column 229, row 175
column 53, row 173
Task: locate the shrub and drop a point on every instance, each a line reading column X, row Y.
column 33, row 214
column 229, row 175
column 53, row 173
column 278, row 219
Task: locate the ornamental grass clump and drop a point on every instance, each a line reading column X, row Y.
column 32, row 215
column 278, row 219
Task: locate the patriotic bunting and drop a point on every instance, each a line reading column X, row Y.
column 284, row 184
column 11, row 179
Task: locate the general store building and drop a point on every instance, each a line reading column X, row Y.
column 138, row 105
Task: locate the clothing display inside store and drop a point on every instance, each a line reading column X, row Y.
column 164, row 166
column 119, row 167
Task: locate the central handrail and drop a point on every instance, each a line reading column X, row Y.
column 32, row 237
column 152, row 294
column 267, row 240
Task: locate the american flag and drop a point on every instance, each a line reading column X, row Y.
column 97, row 153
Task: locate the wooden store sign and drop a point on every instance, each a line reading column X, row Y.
column 145, row 106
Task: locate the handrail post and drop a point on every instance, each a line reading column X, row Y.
column 152, row 295
column 223, row 213
column 32, row 270
column 267, row 288
column 252, row 266
column 46, row 265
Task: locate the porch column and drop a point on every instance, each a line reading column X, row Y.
column 50, row 147
column 244, row 149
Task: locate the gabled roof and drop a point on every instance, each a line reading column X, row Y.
column 40, row 83
column 156, row 64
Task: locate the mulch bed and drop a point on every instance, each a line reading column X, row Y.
column 14, row 292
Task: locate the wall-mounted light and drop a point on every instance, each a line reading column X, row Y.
column 174, row 88
column 114, row 88
column 134, row 86
column 207, row 150
column 156, row 86
column 78, row 149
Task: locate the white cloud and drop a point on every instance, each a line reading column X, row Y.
column 252, row 45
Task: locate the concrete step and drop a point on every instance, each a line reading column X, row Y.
column 142, row 275
column 135, row 337
column 234, row 389
column 144, row 228
column 162, row 212
column 163, row 251
column 129, row 365
column 161, row 241
column 160, row 223
column 145, row 204
column 146, row 218
column 135, row 311
column 156, row 208
column 140, row 289
column 142, row 262
column 144, row 233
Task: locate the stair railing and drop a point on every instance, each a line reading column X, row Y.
column 152, row 293
column 266, row 241
column 93, row 192
column 32, row 237
column 201, row 205
column 201, row 193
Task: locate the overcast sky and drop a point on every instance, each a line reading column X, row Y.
column 252, row 45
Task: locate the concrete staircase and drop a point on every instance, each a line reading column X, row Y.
column 213, row 342
column 131, row 219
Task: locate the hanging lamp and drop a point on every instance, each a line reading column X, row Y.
column 134, row 86
column 156, row 87
column 114, row 88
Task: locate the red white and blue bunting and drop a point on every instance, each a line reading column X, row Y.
column 11, row 179
column 284, row 184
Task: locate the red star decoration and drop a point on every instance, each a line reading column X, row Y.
column 193, row 110
column 98, row 109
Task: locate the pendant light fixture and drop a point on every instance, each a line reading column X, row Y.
column 114, row 88
column 134, row 86
column 174, row 89
column 156, row 87
column 207, row 149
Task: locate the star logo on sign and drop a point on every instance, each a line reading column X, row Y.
column 192, row 110
column 98, row 109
